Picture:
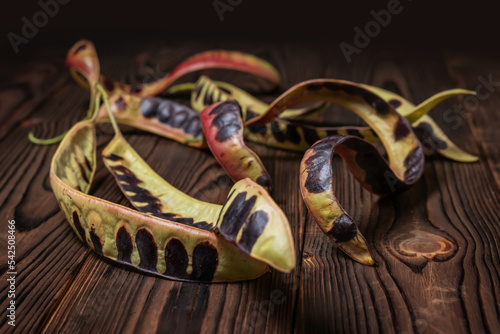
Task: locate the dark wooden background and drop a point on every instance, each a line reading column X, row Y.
column 436, row 245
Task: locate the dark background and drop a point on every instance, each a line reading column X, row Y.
column 422, row 25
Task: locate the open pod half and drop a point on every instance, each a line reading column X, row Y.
column 249, row 218
column 133, row 238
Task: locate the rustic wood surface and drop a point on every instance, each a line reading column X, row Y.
column 436, row 245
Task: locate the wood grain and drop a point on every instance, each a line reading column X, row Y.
column 437, row 245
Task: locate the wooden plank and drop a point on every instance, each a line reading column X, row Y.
column 481, row 111
column 47, row 253
column 436, row 244
column 29, row 87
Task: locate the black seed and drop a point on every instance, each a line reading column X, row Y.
column 83, row 173
column 176, row 258
column 253, row 230
column 149, row 107
column 258, row 128
column 96, row 241
column 78, row 226
column 378, row 175
column 207, row 100
column 310, row 135
column 205, row 261
column 395, row 103
column 343, row 229
column 352, row 90
column 129, row 182
column 87, row 163
column 120, row 104
column 113, row 157
column 380, row 106
column 292, row 134
column 164, row 111
column 175, row 218
column 123, row 174
column 414, row 164
column 193, row 126
column 428, row 138
column 277, row 133
column 318, row 165
column 180, row 115
column 197, row 90
column 124, row 245
column 236, row 215
column 318, row 179
column 354, row 132
column 401, row 129
column 227, row 120
column 250, row 114
column 265, row 181
column 148, row 251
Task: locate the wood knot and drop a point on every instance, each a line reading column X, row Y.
column 417, row 248
column 308, row 258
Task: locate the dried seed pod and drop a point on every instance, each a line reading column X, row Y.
column 250, row 218
column 367, row 166
column 223, row 129
column 148, row 243
column 157, row 115
column 404, row 152
column 82, row 60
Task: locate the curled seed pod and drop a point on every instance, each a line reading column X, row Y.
column 223, row 131
column 151, row 244
column 316, row 184
column 404, row 151
column 82, row 60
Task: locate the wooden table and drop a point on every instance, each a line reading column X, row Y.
column 436, row 245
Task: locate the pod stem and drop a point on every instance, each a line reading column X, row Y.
column 181, row 87
column 105, row 98
column 91, row 114
column 192, row 140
